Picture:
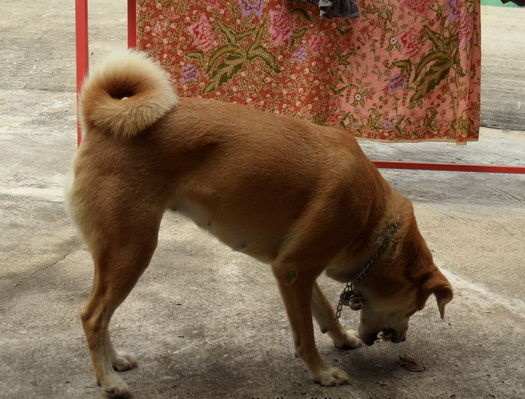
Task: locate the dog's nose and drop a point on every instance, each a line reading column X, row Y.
column 370, row 339
column 399, row 338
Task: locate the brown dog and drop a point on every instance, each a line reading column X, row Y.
column 301, row 197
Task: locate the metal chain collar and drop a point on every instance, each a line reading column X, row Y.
column 349, row 292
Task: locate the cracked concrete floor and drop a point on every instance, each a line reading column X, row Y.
column 207, row 322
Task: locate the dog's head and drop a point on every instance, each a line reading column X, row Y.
column 397, row 289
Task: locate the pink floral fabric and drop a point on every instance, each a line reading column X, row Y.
column 405, row 70
column 203, row 37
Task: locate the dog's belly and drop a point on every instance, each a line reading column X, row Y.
column 243, row 238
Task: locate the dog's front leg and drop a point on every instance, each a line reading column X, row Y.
column 296, row 285
column 328, row 323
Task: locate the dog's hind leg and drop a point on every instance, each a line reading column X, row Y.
column 121, row 253
column 328, row 323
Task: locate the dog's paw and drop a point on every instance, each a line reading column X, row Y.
column 116, row 387
column 123, row 362
column 347, row 340
column 330, row 376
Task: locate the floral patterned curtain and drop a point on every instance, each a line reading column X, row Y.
column 405, row 70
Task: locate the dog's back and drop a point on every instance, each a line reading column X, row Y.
column 226, row 166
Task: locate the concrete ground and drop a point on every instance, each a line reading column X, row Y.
column 503, row 68
column 207, row 322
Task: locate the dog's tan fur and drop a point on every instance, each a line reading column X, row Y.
column 301, row 197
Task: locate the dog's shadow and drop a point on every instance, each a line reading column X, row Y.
column 219, row 371
column 226, row 371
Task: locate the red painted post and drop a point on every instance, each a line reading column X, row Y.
column 81, row 30
column 132, row 23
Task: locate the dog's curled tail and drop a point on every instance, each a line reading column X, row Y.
column 125, row 94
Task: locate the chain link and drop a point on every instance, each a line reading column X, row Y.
column 349, row 287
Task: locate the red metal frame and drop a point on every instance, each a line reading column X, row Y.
column 81, row 16
column 450, row 167
column 81, row 28
column 132, row 23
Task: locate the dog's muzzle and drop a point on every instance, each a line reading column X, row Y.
column 386, row 334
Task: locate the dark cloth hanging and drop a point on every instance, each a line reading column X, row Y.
column 521, row 3
column 337, row 8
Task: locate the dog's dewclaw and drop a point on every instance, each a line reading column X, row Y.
column 411, row 364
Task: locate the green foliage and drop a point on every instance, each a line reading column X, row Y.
column 435, row 74
column 302, row 13
column 242, row 48
column 224, row 72
column 259, row 51
column 298, row 34
column 227, row 49
column 438, row 57
column 228, row 34
column 405, row 66
column 197, row 55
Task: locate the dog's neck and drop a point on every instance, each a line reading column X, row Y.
column 385, row 243
column 351, row 295
column 367, row 253
column 394, row 212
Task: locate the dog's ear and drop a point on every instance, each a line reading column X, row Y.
column 436, row 283
column 443, row 295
